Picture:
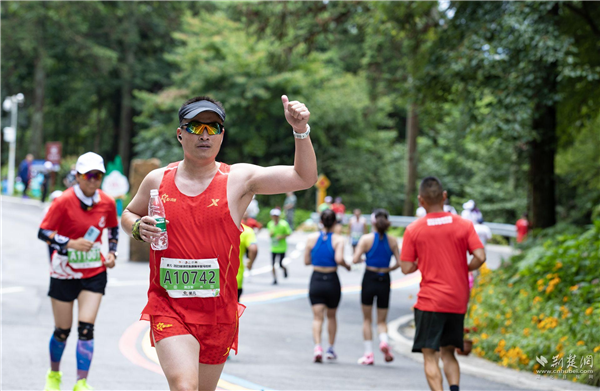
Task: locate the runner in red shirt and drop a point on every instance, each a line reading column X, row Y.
column 522, row 226
column 73, row 228
column 437, row 246
column 194, row 326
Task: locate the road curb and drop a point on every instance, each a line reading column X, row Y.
column 480, row 367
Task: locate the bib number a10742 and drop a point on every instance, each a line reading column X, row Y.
column 185, row 278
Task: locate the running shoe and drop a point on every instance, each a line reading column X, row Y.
column 331, row 354
column 318, row 354
column 367, row 359
column 387, row 352
column 53, row 381
column 82, row 385
column 284, row 273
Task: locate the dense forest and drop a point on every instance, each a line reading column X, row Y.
column 500, row 100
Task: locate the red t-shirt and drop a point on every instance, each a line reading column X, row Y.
column 67, row 218
column 202, row 257
column 338, row 209
column 522, row 229
column 440, row 241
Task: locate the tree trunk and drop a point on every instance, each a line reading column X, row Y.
column 541, row 167
column 125, row 124
column 412, row 131
column 37, row 119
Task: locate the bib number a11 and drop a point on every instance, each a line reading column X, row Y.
column 85, row 259
column 185, row 278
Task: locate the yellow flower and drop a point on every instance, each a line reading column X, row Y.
column 502, row 330
column 563, row 339
column 505, row 361
column 549, row 289
column 540, row 281
column 580, row 343
column 549, row 276
column 523, row 292
column 486, row 314
column 509, row 314
column 536, row 367
column 589, row 311
column 503, row 301
column 508, row 322
column 534, row 319
column 559, row 347
column 510, row 285
column 474, row 307
column 558, row 265
column 597, row 349
column 565, row 299
column 540, row 288
column 542, row 316
column 574, row 288
column 479, row 299
column 491, row 291
column 484, row 336
column 526, row 331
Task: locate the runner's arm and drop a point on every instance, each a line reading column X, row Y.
column 339, row 254
column 409, row 267
column 307, row 252
column 282, row 179
column 252, row 253
column 393, row 242
column 138, row 207
column 360, row 250
column 477, row 260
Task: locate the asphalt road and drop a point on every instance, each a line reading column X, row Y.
column 275, row 331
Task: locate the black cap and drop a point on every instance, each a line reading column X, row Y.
column 193, row 109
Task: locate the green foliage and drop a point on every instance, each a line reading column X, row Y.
column 554, row 313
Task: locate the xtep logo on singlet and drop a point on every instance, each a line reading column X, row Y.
column 214, row 203
column 160, row 326
column 165, row 198
column 440, row 221
column 102, row 222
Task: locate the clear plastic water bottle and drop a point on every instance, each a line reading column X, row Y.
column 156, row 210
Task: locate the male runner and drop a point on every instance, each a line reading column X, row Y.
column 247, row 244
column 194, row 320
column 437, row 245
column 279, row 230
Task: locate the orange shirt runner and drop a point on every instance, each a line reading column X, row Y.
column 440, row 241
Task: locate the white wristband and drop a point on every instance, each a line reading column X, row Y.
column 302, row 135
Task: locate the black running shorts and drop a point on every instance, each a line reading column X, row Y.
column 68, row 290
column 325, row 288
column 438, row 329
column 376, row 285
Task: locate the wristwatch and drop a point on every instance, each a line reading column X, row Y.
column 116, row 254
column 304, row 135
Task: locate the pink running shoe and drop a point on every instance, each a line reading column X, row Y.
column 318, row 354
column 387, row 352
column 367, row 359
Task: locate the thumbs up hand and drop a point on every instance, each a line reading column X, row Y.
column 296, row 114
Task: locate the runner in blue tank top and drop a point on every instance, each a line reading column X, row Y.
column 378, row 248
column 325, row 251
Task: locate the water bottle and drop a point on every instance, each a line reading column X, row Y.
column 156, row 210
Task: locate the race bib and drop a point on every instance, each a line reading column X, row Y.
column 85, row 259
column 183, row 278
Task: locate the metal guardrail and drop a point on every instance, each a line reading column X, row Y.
column 508, row 230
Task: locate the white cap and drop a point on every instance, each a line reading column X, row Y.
column 275, row 212
column 153, row 192
column 469, row 205
column 328, row 199
column 90, row 161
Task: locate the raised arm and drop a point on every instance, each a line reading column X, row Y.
column 281, row 179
